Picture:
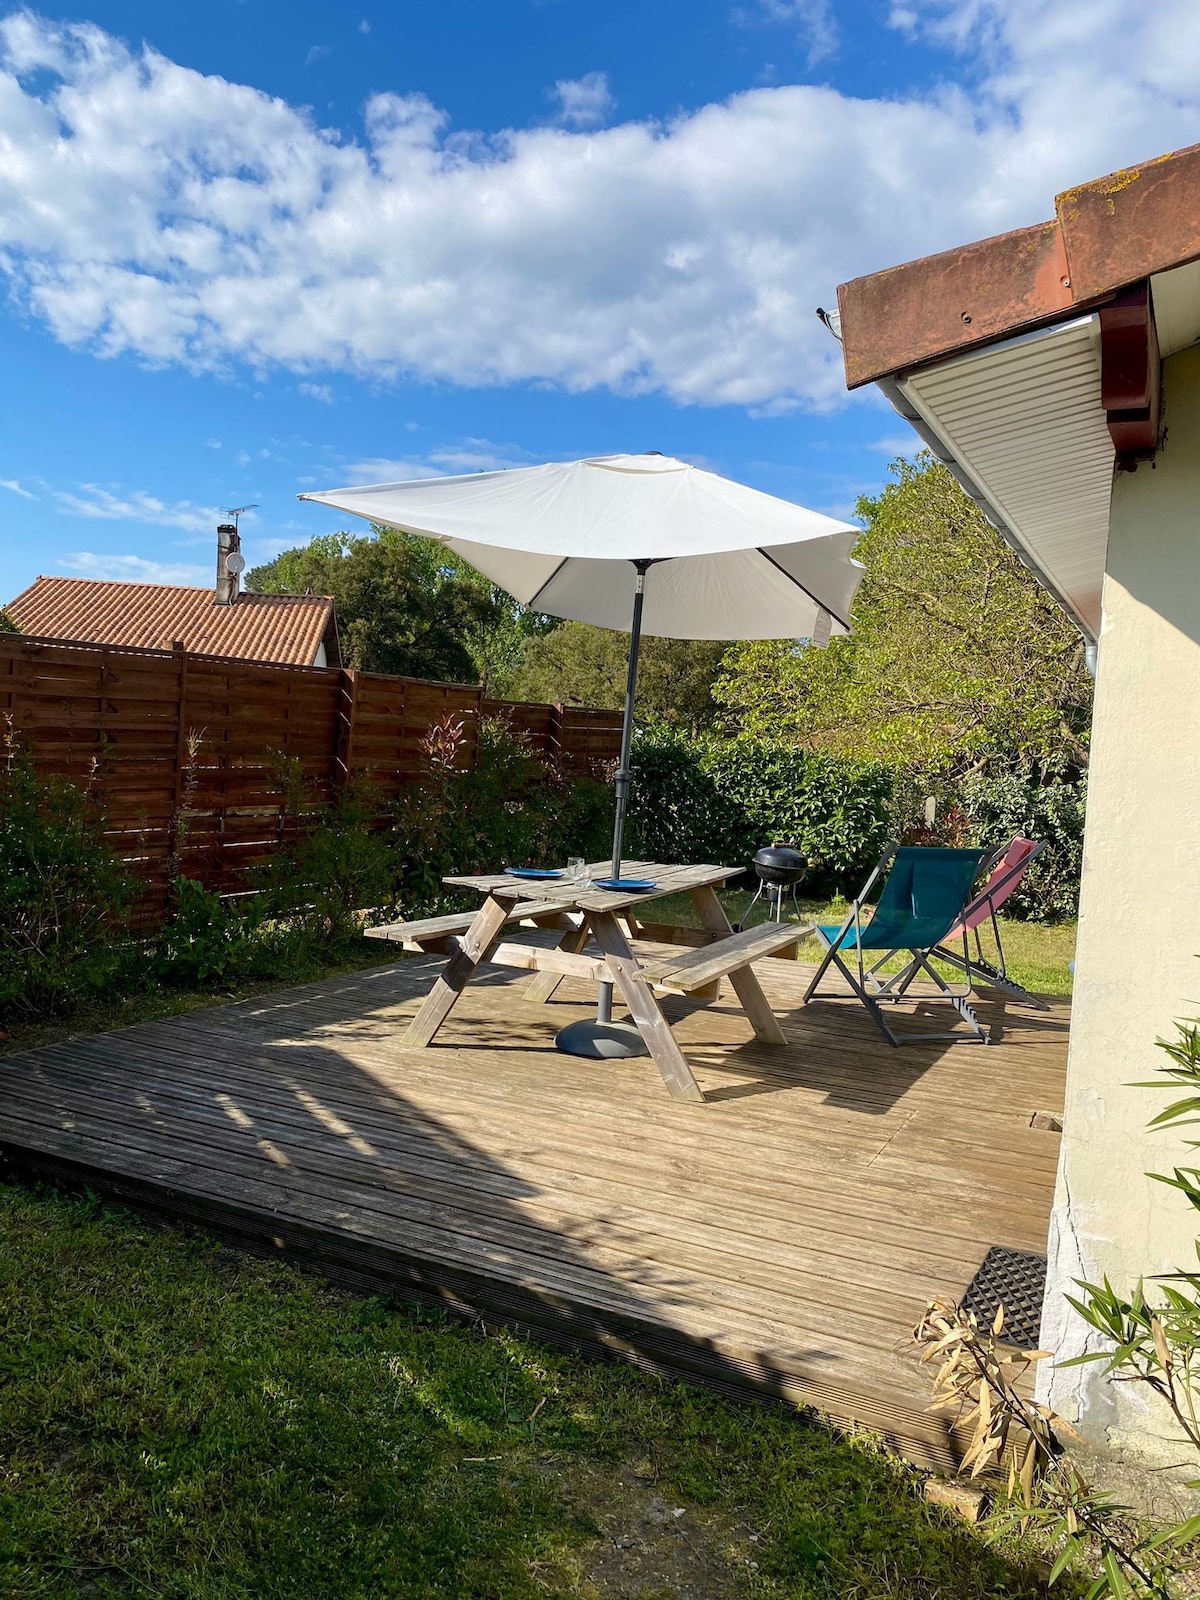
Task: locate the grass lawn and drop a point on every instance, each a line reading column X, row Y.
column 1038, row 953
column 179, row 1420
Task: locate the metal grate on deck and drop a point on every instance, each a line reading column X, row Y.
column 1015, row 1279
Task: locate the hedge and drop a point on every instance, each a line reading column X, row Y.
column 700, row 798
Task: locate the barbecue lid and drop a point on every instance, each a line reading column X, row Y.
column 780, row 855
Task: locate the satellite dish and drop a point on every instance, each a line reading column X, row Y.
column 236, row 562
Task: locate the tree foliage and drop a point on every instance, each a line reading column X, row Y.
column 956, row 650
column 578, row 664
column 407, row 605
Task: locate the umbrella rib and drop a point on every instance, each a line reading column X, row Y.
column 530, row 603
column 820, row 604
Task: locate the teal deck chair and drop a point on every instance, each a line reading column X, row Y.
column 924, row 897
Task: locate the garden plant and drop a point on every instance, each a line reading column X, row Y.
column 1022, row 1451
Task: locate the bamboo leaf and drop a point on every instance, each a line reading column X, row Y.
column 1064, row 1559
column 1160, row 1343
column 1027, row 1466
column 1116, row 1578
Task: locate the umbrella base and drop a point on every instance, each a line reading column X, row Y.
column 601, row 1041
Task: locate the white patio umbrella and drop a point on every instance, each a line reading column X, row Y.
column 644, row 543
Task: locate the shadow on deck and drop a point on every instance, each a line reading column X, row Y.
column 782, row 1238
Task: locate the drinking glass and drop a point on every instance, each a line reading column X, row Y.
column 576, row 869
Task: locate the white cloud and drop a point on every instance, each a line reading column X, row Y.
column 14, row 487
column 317, row 391
column 134, row 569
column 468, row 455
column 151, row 209
column 364, row 26
column 813, row 21
column 110, row 505
column 583, row 102
column 896, row 444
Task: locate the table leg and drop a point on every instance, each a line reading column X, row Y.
column 745, row 985
column 544, row 985
column 472, row 949
column 643, row 1007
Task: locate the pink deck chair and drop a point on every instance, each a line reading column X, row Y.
column 1006, row 869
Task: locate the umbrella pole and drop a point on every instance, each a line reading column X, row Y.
column 623, row 779
column 603, row 1038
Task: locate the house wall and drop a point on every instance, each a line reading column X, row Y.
column 1139, row 928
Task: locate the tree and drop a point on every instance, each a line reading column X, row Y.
column 7, row 625
column 578, row 664
column 499, row 629
column 405, row 605
column 956, row 651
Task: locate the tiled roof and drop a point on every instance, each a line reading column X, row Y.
column 282, row 628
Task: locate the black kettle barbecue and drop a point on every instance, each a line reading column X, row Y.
column 781, row 869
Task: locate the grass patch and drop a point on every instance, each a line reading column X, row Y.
column 179, row 1420
column 1039, row 954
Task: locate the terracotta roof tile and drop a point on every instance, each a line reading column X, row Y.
column 287, row 629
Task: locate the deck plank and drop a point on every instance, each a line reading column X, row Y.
column 781, row 1238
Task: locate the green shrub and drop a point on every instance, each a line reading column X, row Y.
column 208, row 940
column 1042, row 803
column 698, row 799
column 512, row 807
column 340, row 865
column 64, row 896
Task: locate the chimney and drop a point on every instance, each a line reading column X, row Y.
column 230, row 563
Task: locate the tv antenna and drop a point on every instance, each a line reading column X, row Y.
column 237, row 511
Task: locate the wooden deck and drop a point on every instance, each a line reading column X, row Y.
column 782, row 1237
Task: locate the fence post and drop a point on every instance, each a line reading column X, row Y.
column 347, row 713
column 479, row 697
column 174, row 863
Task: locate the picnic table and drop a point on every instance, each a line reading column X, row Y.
column 585, row 914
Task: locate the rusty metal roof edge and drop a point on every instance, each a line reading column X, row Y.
column 1105, row 235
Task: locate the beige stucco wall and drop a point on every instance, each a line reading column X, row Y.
column 1139, row 926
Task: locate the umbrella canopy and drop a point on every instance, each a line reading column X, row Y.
column 729, row 562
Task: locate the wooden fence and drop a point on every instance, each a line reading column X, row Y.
column 186, row 751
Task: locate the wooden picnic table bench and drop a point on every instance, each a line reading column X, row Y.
column 432, row 934
column 588, row 915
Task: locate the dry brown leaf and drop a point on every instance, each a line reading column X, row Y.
column 1027, row 1469
column 1161, row 1349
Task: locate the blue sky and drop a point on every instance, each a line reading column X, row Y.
column 250, row 248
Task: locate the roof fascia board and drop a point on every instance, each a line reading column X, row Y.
column 1105, row 236
column 958, row 300
column 1133, row 223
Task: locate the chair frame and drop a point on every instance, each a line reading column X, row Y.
column 991, row 976
column 871, row 991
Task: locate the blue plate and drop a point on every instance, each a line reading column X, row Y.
column 622, row 885
column 531, row 872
